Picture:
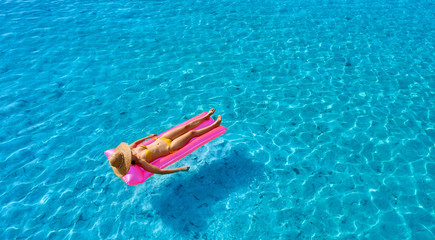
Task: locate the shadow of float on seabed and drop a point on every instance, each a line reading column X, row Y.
column 187, row 203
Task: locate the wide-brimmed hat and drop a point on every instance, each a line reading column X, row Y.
column 120, row 160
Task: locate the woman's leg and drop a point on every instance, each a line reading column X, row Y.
column 173, row 134
column 185, row 138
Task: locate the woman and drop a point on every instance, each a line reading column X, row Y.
column 125, row 155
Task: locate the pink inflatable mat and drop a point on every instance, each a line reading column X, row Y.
column 137, row 174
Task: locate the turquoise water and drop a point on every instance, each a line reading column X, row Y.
column 328, row 105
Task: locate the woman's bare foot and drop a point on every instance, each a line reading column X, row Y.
column 209, row 113
column 218, row 121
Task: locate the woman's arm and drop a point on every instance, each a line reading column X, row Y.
column 133, row 145
column 155, row 169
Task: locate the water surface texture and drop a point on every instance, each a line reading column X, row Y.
column 329, row 107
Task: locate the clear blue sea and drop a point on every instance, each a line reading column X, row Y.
column 329, row 107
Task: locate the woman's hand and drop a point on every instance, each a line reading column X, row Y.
column 185, row 168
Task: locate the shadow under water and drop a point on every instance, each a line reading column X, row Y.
column 186, row 203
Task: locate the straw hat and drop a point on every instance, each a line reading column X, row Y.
column 120, row 160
